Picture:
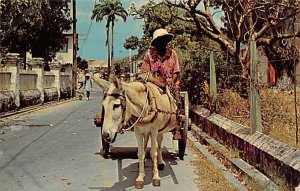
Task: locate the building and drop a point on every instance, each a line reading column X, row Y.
column 67, row 54
column 267, row 73
column 97, row 65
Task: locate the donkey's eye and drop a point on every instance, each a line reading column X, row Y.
column 116, row 106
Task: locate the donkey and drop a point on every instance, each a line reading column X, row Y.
column 142, row 108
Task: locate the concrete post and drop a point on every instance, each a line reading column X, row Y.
column 12, row 61
column 255, row 110
column 213, row 83
column 38, row 67
column 55, row 68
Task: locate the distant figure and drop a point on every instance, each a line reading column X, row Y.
column 88, row 85
column 122, row 77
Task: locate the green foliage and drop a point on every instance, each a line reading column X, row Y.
column 109, row 10
column 82, row 64
column 122, row 66
column 34, row 25
column 193, row 49
column 131, row 43
column 268, row 22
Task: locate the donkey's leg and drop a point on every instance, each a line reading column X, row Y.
column 139, row 181
column 160, row 160
column 153, row 152
column 146, row 139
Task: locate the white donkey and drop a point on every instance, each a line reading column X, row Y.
column 142, row 107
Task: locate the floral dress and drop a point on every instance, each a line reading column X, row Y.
column 161, row 67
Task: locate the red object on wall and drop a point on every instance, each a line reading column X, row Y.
column 271, row 74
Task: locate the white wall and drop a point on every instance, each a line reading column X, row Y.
column 63, row 56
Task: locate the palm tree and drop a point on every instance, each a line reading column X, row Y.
column 109, row 10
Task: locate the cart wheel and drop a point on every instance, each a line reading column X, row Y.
column 182, row 144
column 184, row 125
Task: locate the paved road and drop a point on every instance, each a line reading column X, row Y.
column 54, row 149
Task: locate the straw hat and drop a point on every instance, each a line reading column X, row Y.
column 161, row 33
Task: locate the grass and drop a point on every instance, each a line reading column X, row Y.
column 278, row 113
column 209, row 178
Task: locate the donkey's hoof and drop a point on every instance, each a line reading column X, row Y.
column 156, row 182
column 160, row 167
column 139, row 184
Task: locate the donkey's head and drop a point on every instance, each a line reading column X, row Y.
column 113, row 108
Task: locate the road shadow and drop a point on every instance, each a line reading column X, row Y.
column 127, row 175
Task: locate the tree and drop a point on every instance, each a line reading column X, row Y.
column 82, row 64
column 122, row 65
column 240, row 21
column 244, row 20
column 34, row 25
column 131, row 43
column 193, row 56
column 109, row 10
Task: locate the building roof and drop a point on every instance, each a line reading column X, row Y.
column 98, row 63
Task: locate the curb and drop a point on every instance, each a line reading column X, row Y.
column 227, row 174
column 35, row 108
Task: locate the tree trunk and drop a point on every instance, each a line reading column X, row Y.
column 108, row 50
column 112, row 44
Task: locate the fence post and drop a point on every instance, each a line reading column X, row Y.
column 255, row 112
column 55, row 68
column 12, row 61
column 38, row 67
column 213, row 83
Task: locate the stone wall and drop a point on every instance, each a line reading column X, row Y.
column 30, row 97
column 7, row 101
column 273, row 158
column 51, row 94
column 21, row 88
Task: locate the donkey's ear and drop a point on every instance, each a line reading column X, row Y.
column 115, row 81
column 101, row 82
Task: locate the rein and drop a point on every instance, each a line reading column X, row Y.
column 140, row 116
column 121, row 95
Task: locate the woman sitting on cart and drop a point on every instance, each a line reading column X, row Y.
column 163, row 64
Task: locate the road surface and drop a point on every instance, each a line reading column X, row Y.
column 56, row 149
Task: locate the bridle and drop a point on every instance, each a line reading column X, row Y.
column 120, row 94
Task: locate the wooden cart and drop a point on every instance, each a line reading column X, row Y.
column 184, row 122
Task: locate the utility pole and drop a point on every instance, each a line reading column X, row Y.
column 74, row 68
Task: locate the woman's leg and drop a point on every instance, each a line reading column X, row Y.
column 88, row 94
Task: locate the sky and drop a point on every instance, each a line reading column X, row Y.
column 92, row 42
column 93, row 48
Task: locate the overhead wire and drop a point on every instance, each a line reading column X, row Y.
column 89, row 29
